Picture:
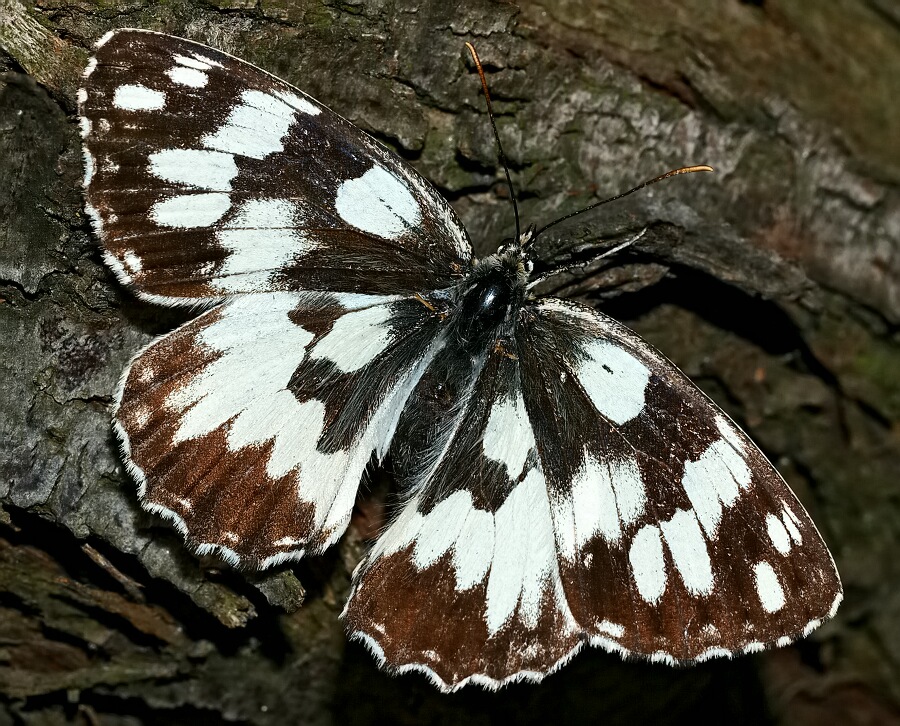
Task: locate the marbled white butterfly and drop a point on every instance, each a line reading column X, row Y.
column 563, row 483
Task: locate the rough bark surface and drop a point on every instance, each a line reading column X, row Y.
column 774, row 283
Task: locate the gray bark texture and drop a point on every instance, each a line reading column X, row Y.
column 774, row 284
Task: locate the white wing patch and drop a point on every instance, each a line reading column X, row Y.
column 132, row 262
column 689, row 551
column 190, row 77
column 137, row 97
column 301, row 104
column 334, row 497
column 647, row 563
column 508, row 436
column 610, row 628
column 195, row 61
column 198, row 168
column 191, row 70
column 191, row 210
column 255, row 127
column 614, row 380
column 687, row 546
column 378, row 203
column 355, row 339
column 791, row 523
column 454, row 525
column 524, row 564
column 513, row 548
column 591, row 510
column 212, row 399
column 778, row 534
column 631, row 497
column 442, row 530
column 606, row 496
column 715, row 481
column 770, row 592
column 261, row 237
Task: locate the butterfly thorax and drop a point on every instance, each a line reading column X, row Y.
column 489, row 298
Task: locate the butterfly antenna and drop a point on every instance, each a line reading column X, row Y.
column 490, row 109
column 674, row 172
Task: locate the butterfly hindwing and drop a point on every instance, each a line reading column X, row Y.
column 481, row 597
column 591, row 494
column 208, row 177
column 251, row 425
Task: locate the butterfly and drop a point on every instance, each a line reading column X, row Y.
column 562, row 483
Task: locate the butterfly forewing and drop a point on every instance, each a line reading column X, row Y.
column 251, row 425
column 208, row 177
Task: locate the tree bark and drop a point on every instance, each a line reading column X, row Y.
column 774, row 284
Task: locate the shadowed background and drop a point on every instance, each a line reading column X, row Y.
column 774, row 284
